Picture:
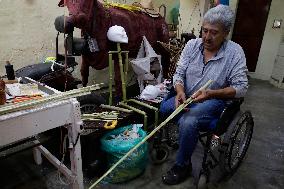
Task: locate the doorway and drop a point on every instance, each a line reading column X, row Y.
column 249, row 28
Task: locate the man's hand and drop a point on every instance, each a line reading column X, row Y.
column 180, row 98
column 201, row 95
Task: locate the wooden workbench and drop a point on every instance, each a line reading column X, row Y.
column 23, row 124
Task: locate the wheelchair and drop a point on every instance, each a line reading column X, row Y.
column 225, row 146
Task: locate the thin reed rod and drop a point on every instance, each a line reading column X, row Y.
column 121, row 73
column 55, row 97
column 110, row 78
column 137, row 111
column 177, row 111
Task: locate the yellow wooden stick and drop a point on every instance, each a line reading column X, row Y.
column 177, row 111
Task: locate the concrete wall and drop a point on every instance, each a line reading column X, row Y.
column 270, row 42
column 234, row 6
column 190, row 11
column 28, row 36
column 271, row 39
column 27, row 33
column 170, row 4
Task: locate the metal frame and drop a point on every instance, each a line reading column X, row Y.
column 23, row 124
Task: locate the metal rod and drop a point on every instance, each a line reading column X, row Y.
column 137, row 111
column 149, row 107
column 143, row 104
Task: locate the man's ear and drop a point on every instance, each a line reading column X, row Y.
column 226, row 34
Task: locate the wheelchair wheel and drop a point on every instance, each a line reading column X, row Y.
column 171, row 130
column 89, row 103
column 159, row 154
column 236, row 142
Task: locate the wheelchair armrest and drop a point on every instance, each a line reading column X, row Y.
column 232, row 106
column 234, row 102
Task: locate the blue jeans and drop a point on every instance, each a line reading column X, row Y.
column 198, row 118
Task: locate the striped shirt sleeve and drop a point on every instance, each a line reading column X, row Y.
column 238, row 77
column 182, row 64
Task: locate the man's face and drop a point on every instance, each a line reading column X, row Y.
column 213, row 36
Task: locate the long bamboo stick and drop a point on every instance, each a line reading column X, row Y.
column 178, row 110
column 137, row 111
column 110, row 78
column 55, row 97
column 156, row 110
column 126, row 66
column 122, row 75
column 116, row 108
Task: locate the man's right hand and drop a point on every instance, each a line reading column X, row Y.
column 180, row 98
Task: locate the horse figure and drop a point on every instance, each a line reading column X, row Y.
column 95, row 18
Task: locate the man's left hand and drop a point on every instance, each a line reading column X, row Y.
column 200, row 95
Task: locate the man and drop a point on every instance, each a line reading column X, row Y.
column 212, row 57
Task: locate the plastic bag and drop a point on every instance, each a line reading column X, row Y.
column 116, row 147
column 147, row 65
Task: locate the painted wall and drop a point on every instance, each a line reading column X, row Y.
column 271, row 39
column 170, row 4
column 27, row 32
column 234, row 6
column 190, row 11
column 190, row 14
column 270, row 42
column 28, row 36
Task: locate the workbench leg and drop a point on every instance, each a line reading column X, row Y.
column 75, row 150
column 76, row 166
column 37, row 156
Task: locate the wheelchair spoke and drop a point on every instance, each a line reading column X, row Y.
column 237, row 139
column 240, row 139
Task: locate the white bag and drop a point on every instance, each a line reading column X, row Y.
column 142, row 64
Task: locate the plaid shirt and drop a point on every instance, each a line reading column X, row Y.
column 227, row 68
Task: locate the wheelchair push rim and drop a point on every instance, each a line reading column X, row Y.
column 239, row 140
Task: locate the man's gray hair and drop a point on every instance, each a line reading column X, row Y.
column 220, row 14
